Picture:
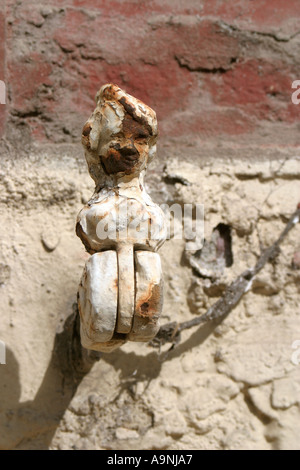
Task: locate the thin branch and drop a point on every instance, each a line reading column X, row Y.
column 170, row 332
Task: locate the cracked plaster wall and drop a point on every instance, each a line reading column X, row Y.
column 231, row 385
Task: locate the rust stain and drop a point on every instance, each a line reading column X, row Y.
column 134, row 130
column 101, row 217
column 110, row 92
column 130, row 109
column 147, row 306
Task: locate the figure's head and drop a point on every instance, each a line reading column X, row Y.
column 120, row 135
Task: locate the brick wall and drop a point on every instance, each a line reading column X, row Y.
column 211, row 69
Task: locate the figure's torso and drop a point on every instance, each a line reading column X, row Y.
column 121, row 216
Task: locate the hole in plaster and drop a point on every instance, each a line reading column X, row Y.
column 215, row 255
column 224, row 243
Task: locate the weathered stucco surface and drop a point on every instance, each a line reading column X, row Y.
column 231, row 385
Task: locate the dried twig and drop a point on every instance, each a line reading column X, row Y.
column 170, row 332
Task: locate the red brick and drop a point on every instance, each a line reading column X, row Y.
column 25, row 79
column 31, row 14
column 165, row 52
column 165, row 88
column 261, row 88
column 127, row 8
column 265, row 16
column 205, row 45
column 196, row 44
column 210, row 123
column 124, row 8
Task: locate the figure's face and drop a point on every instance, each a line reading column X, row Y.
column 121, row 132
column 125, row 143
column 123, row 147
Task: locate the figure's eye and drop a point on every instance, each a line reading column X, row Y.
column 142, row 133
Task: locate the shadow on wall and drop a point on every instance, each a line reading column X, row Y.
column 32, row 424
column 22, row 422
column 148, row 367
